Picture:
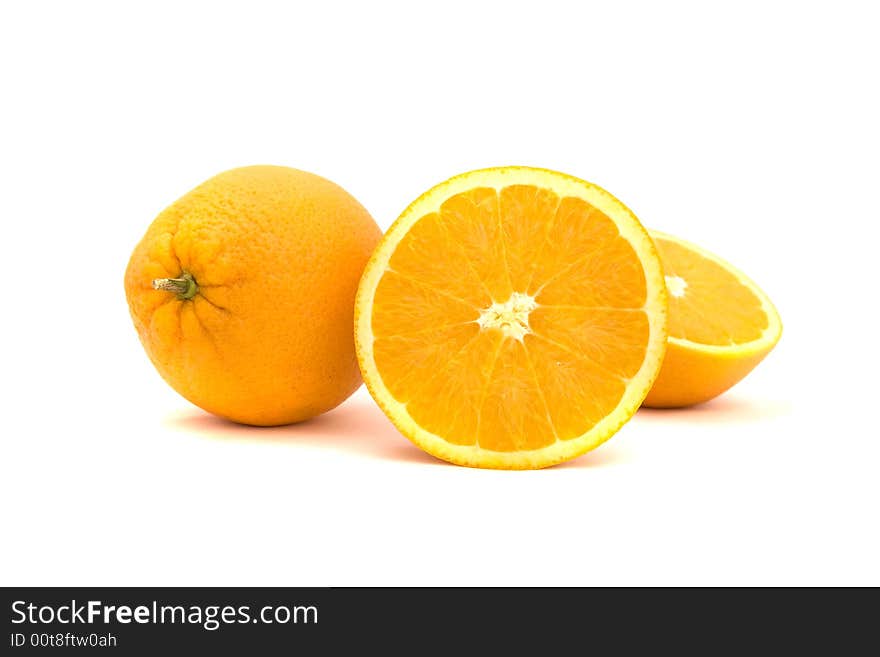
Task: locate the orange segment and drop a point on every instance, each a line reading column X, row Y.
column 612, row 339
column 416, row 256
column 576, row 230
column 511, row 318
column 449, row 403
column 408, row 362
column 471, row 219
column 513, row 415
column 410, row 306
column 579, row 393
column 527, row 212
column 612, row 276
column 721, row 325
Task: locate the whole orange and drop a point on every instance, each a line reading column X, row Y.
column 242, row 293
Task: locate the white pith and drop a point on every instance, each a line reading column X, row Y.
column 512, row 316
column 676, row 286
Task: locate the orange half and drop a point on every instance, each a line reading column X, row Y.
column 721, row 325
column 511, row 318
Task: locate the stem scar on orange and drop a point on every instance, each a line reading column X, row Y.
column 242, row 293
column 511, row 318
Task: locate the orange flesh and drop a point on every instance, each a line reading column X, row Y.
column 476, row 385
column 715, row 308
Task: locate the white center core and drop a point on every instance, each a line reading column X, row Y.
column 512, row 316
column 676, row 286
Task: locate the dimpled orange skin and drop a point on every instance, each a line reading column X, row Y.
column 276, row 255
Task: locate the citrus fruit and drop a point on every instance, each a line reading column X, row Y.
column 242, row 293
column 721, row 325
column 511, row 318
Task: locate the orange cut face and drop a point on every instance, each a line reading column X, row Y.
column 708, row 304
column 512, row 319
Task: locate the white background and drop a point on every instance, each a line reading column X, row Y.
column 751, row 130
